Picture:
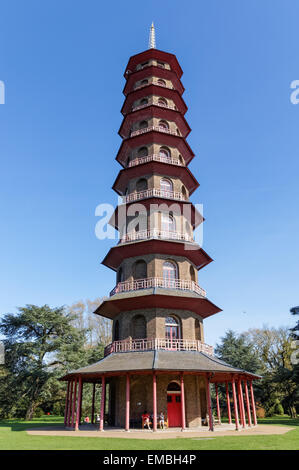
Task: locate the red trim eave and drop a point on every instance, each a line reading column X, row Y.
column 157, row 138
column 152, row 89
column 154, row 54
column 156, row 111
column 118, row 253
column 221, row 377
column 159, row 168
column 202, row 306
column 156, row 71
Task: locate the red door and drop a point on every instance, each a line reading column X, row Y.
column 174, row 411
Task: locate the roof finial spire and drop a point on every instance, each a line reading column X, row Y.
column 152, row 38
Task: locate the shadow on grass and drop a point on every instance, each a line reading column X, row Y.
column 23, row 425
column 280, row 420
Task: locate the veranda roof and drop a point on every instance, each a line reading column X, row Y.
column 159, row 360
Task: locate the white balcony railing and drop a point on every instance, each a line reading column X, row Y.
column 165, row 130
column 155, row 158
column 161, row 234
column 150, row 282
column 150, row 103
column 154, row 192
column 158, row 343
column 170, row 87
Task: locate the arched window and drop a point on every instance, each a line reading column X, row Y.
column 143, row 125
column 140, row 270
column 184, row 192
column 116, row 331
column 144, row 82
column 192, row 274
column 141, row 185
column 163, row 125
column 162, row 102
column 172, row 328
column 161, row 82
column 144, row 101
column 138, row 327
column 142, row 152
column 160, row 64
column 174, row 387
column 170, row 274
column 166, row 186
column 165, row 153
column 168, row 223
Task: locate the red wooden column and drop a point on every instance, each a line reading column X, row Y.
column 241, row 403
column 79, row 401
column 70, row 405
column 66, row 402
column 74, row 401
column 228, row 404
column 128, row 403
column 102, row 417
column 253, row 404
column 209, row 403
column 81, row 397
column 183, row 403
column 247, row 403
column 154, row 402
column 235, row 404
column 217, row 403
column 92, row 404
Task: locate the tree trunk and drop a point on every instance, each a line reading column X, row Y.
column 293, row 412
column 30, row 411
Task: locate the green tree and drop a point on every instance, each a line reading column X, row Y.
column 238, row 352
column 41, row 344
column 274, row 348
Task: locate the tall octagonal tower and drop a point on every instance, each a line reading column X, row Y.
column 157, row 361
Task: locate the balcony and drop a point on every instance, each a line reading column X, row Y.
column 165, row 130
column 170, row 87
column 155, row 158
column 154, row 192
column 151, row 103
column 158, row 344
column 150, row 282
column 161, row 234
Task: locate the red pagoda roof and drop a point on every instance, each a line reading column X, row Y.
column 194, row 253
column 156, row 111
column 153, row 54
column 159, row 168
column 153, row 70
column 156, row 90
column 155, row 137
column 156, row 298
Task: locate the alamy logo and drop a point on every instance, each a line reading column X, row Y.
column 139, row 222
column 2, row 92
column 294, row 97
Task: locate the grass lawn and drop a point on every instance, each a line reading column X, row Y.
column 14, row 437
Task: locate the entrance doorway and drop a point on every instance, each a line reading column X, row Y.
column 174, row 410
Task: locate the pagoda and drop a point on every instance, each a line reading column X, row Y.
column 158, row 361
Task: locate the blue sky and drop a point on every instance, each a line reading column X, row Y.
column 62, row 64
